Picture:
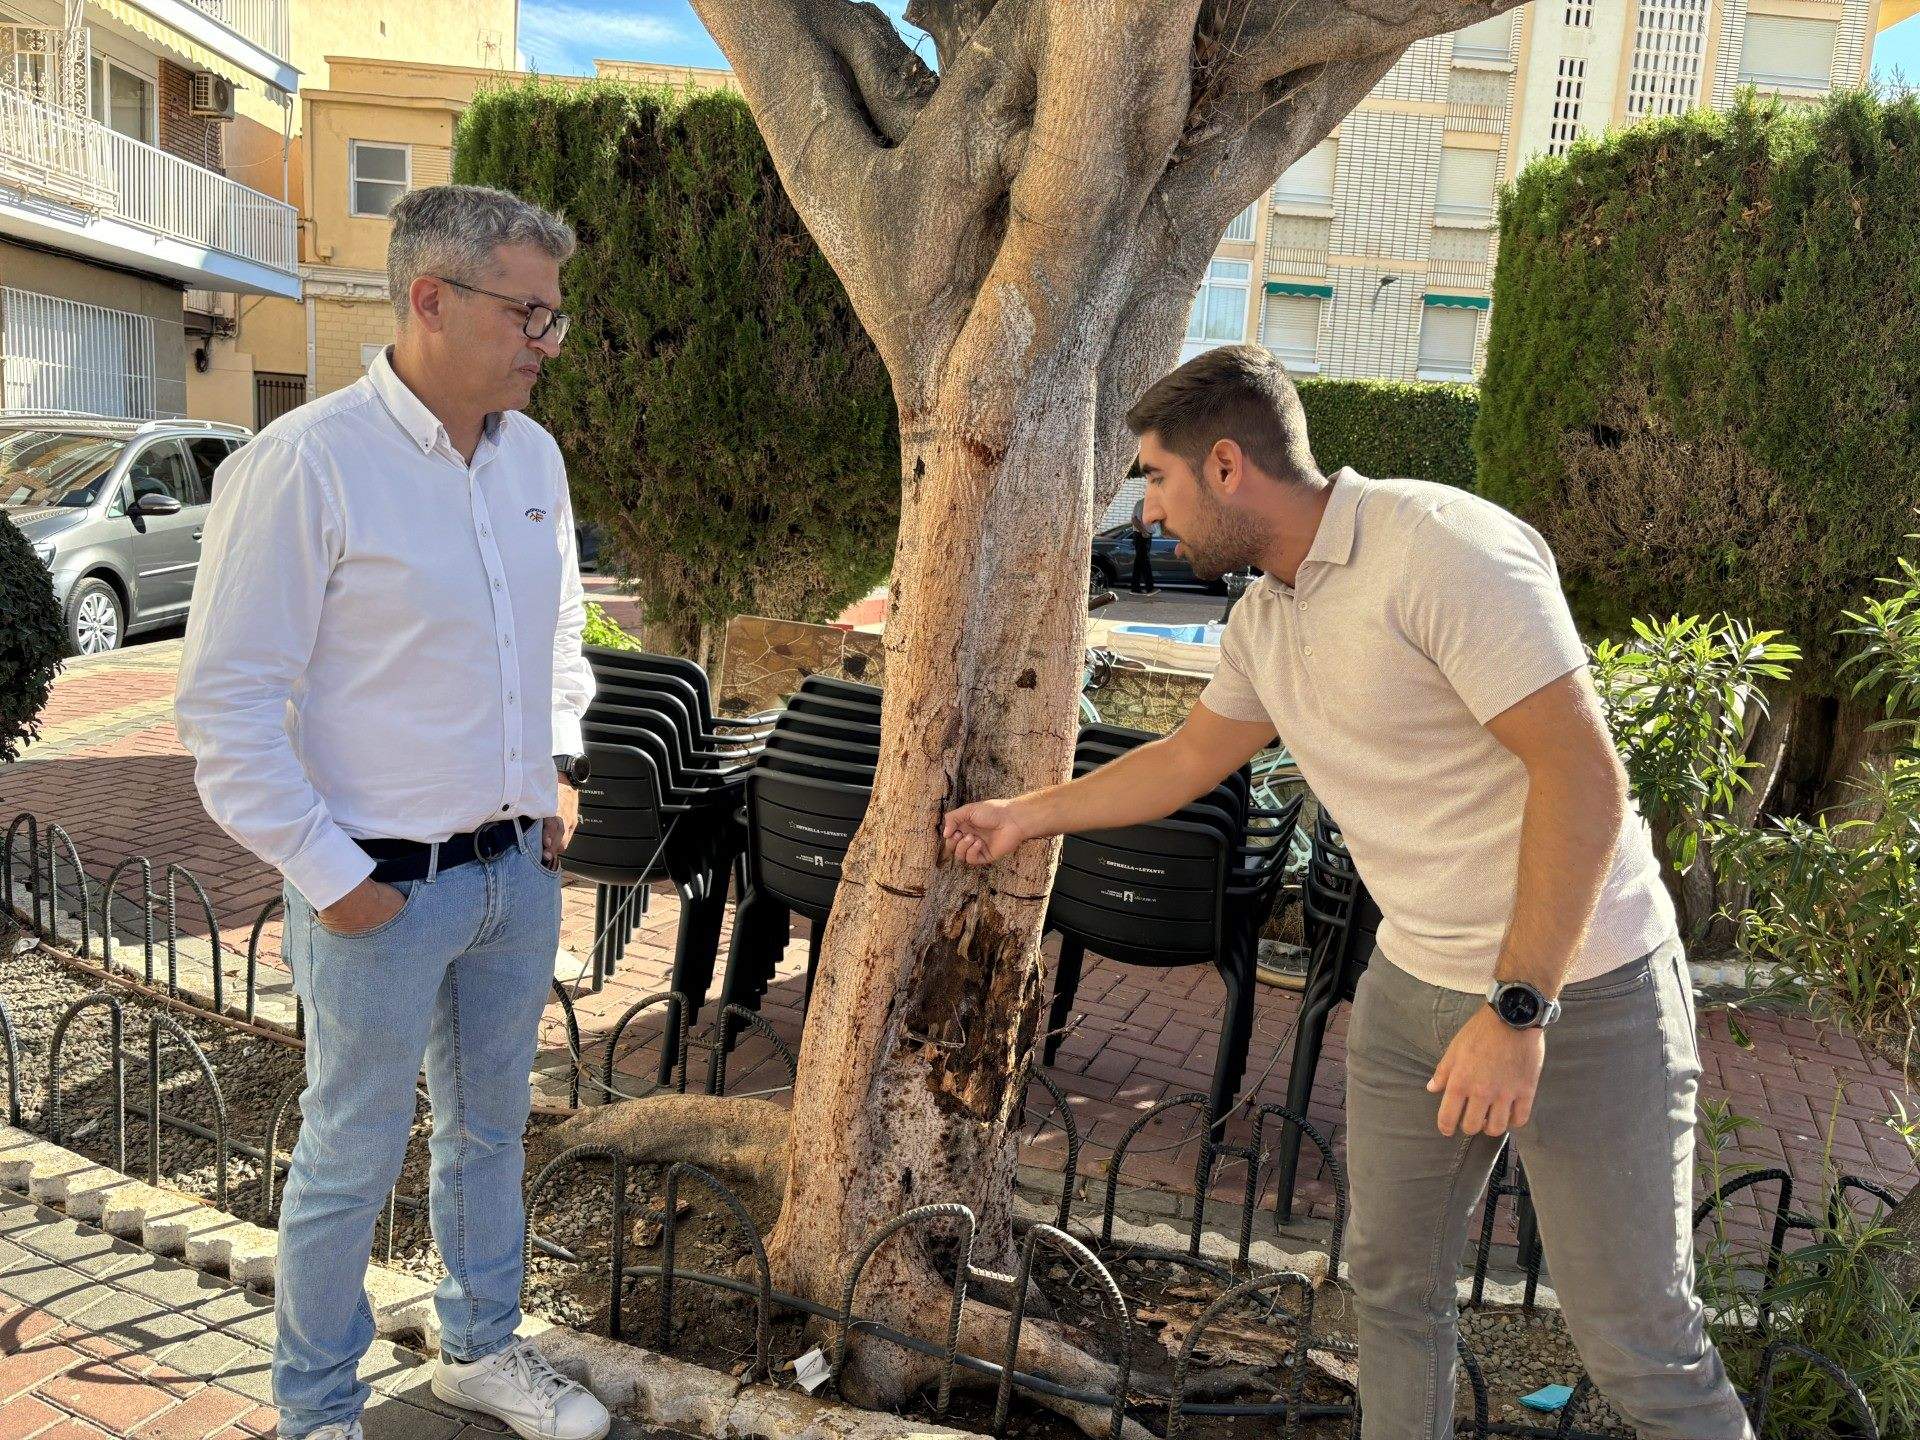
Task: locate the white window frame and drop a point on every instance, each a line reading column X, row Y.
column 1773, row 79
column 1476, row 48
column 1241, row 226
column 1297, row 362
column 1428, row 369
column 1291, row 198
column 1475, row 213
column 353, row 175
column 101, row 94
column 1196, row 316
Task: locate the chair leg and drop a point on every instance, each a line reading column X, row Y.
column 1066, row 981
column 1309, row 1033
column 695, row 948
column 1236, row 1033
column 759, row 935
column 599, row 938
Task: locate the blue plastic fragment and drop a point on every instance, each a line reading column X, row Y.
column 1548, row 1397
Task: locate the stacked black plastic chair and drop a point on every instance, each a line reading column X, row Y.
column 1195, row 888
column 1340, row 920
column 806, row 796
column 661, row 803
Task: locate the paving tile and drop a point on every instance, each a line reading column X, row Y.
column 390, row 1419
column 24, row 1416
column 106, row 1396
column 175, row 1286
column 198, row 1415
column 207, row 1355
column 251, row 1375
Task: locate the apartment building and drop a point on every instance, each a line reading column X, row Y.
column 1373, row 256
column 381, row 91
column 115, row 196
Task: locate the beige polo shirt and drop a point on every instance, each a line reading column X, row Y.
column 1420, row 613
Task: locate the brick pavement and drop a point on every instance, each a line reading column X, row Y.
column 111, row 770
column 101, row 1338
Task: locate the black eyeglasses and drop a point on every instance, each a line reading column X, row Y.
column 540, row 319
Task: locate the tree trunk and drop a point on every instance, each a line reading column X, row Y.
column 1830, row 740
column 914, row 1059
column 1903, row 1259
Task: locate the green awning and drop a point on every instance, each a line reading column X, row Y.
column 1459, row 302
column 1296, row 287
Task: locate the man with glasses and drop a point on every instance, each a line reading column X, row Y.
column 383, row 689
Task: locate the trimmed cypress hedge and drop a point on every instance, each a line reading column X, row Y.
column 32, row 641
column 725, row 418
column 1413, row 430
column 1703, row 377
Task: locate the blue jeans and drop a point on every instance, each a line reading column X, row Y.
column 459, row 976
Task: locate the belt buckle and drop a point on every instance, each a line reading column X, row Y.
column 487, row 838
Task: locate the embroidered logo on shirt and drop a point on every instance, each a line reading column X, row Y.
column 536, row 516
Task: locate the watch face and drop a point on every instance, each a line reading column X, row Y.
column 1517, row 1005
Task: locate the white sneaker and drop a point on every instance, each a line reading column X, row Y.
column 517, row 1385
column 348, row 1431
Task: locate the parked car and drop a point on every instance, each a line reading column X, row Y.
column 115, row 509
column 1113, row 562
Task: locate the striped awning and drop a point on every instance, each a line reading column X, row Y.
column 1299, row 287
column 1458, row 302
column 183, row 51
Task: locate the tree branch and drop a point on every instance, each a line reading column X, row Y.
column 893, row 83
column 951, row 23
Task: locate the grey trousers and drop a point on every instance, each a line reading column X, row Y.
column 1609, row 1159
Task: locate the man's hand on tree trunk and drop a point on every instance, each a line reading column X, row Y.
column 983, row 832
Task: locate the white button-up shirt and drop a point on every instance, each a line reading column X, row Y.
column 384, row 640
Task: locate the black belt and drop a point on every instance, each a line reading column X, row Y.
column 411, row 859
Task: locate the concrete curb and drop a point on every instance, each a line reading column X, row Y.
column 653, row 1388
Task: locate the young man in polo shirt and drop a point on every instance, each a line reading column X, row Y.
column 1411, row 644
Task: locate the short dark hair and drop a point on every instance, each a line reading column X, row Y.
column 1234, row 392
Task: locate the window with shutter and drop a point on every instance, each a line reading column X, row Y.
column 1447, row 337
column 1290, row 328
column 1466, row 186
column 1309, row 180
column 1787, row 50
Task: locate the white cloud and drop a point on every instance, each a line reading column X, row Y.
column 568, row 38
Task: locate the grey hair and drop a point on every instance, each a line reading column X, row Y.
column 453, row 230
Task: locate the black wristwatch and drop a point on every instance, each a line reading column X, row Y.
column 1522, row 1006
column 574, row 769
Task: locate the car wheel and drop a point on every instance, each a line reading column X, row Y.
column 95, row 623
column 1099, row 578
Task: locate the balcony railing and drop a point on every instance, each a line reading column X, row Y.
column 86, row 166
column 1296, row 260
column 175, row 197
column 54, row 153
column 264, row 22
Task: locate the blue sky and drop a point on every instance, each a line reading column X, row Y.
column 567, row 36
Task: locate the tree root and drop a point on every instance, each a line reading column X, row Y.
column 744, row 1142
column 740, row 1141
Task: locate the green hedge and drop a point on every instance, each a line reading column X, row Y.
column 32, row 642
column 1702, row 374
column 723, row 414
column 1393, row 429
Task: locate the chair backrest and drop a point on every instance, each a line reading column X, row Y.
column 605, row 660
column 669, row 695
column 1339, row 916
column 1152, row 894
column 798, row 830
column 834, row 688
column 622, row 824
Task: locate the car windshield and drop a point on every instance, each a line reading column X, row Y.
column 54, row 467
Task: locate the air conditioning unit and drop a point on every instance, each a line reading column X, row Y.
column 212, row 97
